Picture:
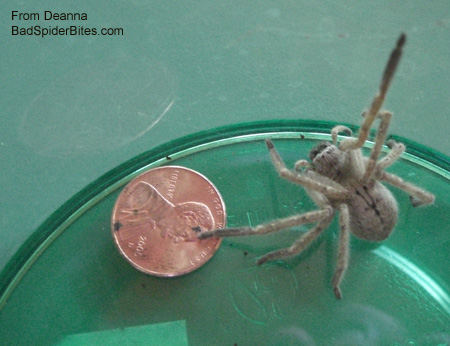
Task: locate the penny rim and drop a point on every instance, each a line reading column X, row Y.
column 153, row 247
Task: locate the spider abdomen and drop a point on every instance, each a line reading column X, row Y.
column 373, row 211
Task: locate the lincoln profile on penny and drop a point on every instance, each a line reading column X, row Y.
column 147, row 210
column 158, row 215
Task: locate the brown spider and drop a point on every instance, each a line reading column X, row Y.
column 341, row 178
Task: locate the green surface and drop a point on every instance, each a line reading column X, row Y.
column 169, row 333
column 70, row 283
column 73, row 108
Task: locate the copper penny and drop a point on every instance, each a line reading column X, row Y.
column 158, row 215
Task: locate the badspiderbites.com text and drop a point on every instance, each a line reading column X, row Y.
column 63, row 29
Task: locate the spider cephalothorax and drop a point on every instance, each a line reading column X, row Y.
column 339, row 179
column 328, row 160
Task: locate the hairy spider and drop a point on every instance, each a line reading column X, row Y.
column 340, row 178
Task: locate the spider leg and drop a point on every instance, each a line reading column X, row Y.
column 302, row 243
column 296, row 177
column 397, row 150
column 270, row 227
column 354, row 143
column 302, row 164
column 339, row 128
column 379, row 140
column 343, row 252
column 418, row 196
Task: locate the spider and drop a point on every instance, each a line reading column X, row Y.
column 341, row 179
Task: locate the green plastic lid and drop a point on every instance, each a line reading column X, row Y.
column 68, row 285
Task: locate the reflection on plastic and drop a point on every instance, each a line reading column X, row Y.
column 369, row 326
column 294, row 336
column 169, row 333
column 417, row 274
column 98, row 106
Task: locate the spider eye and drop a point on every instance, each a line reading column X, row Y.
column 318, row 149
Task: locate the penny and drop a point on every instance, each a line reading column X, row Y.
column 158, row 216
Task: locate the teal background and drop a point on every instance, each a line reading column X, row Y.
column 72, row 108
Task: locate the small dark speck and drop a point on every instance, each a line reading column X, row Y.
column 245, row 253
column 302, row 137
column 135, row 211
column 196, row 229
column 143, row 285
column 117, row 226
column 168, row 158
